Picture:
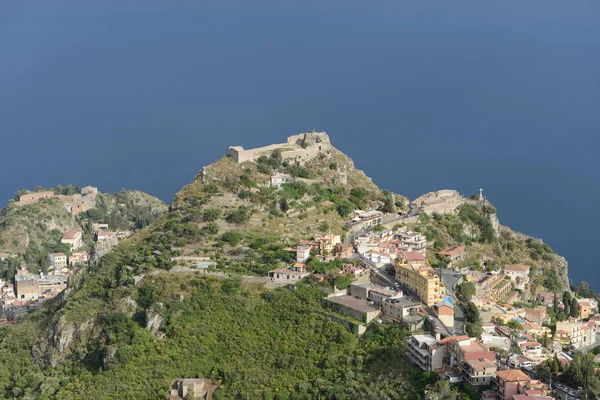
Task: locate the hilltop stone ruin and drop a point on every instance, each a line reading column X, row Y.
column 299, row 148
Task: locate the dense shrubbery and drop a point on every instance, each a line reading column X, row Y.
column 469, row 213
column 259, row 344
column 131, row 216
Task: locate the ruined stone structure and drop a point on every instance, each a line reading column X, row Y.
column 299, row 148
column 32, row 198
column 442, row 201
column 75, row 204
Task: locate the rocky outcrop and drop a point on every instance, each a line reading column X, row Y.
column 102, row 248
column 493, row 218
column 55, row 344
column 559, row 267
column 154, row 319
column 109, row 354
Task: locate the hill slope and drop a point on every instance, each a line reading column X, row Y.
column 129, row 326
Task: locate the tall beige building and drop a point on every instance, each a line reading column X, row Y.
column 421, row 279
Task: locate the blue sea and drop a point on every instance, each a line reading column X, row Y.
column 422, row 95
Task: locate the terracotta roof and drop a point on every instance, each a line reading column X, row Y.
column 58, row 254
column 453, row 338
column 475, row 355
column 450, row 251
column 445, row 310
column 481, row 363
column 70, row 235
column 511, row 375
column 517, row 268
column 412, row 256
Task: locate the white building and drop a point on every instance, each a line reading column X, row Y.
column 302, row 253
column 517, row 270
column 57, row 260
column 73, row 238
column 426, row 352
column 279, row 179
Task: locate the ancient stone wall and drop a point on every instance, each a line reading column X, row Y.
column 299, row 148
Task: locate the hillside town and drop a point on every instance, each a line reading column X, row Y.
column 27, row 291
column 496, row 352
column 480, row 327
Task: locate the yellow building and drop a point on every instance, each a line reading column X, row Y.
column 500, row 289
column 585, row 310
column 422, row 280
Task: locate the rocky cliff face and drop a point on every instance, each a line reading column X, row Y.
column 34, row 224
column 57, row 341
column 102, row 248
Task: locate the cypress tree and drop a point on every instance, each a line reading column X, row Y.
column 574, row 308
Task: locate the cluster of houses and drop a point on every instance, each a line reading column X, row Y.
column 473, row 362
column 482, row 363
column 29, row 291
column 367, row 301
column 324, row 248
column 478, row 363
column 385, row 246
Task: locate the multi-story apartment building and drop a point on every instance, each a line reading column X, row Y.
column 327, row 243
column 508, row 383
column 421, row 279
column 479, row 372
column 426, row 352
column 57, row 260
column 404, row 311
column 414, row 241
column 570, row 332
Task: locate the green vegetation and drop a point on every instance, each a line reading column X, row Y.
column 465, row 291
column 473, row 321
column 125, row 210
column 258, row 344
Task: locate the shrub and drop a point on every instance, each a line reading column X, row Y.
column 239, row 216
column 232, row 237
column 211, row 214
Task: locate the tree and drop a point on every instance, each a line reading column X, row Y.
column 211, row 214
column 567, row 310
column 561, row 316
column 474, row 329
column 545, row 340
column 239, row 216
column 582, row 371
column 211, row 228
column 441, row 391
column 555, row 304
column 574, row 308
column 465, row 291
column 471, row 312
column 344, row 208
column 566, row 297
column 232, row 237
column 514, row 325
column 473, row 322
column 583, row 290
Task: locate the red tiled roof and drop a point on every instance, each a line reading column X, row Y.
column 445, row 310
column 70, row 235
column 517, row 268
column 511, row 375
column 412, row 256
column 450, row 251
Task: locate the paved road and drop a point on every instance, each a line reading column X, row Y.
column 449, row 278
column 439, row 327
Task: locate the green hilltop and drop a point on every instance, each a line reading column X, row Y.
column 133, row 323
